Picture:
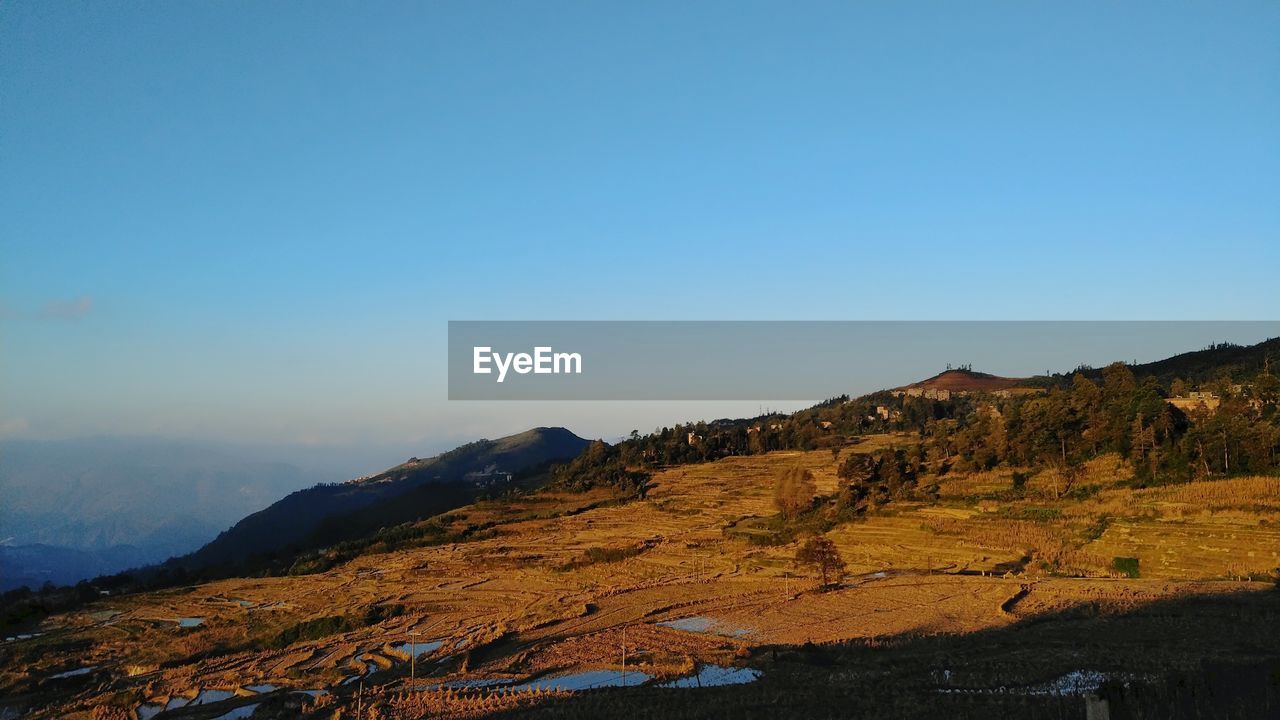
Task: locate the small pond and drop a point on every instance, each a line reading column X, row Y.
column 74, row 673
column 700, row 624
column 587, row 680
column 243, row 711
column 421, row 648
column 713, row 675
column 211, row 696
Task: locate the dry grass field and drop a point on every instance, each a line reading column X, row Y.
column 568, row 583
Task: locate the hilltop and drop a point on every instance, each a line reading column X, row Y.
column 965, row 380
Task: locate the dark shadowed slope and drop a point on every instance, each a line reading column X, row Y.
column 416, row 488
column 1240, row 362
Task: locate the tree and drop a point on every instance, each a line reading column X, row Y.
column 793, row 493
column 858, row 469
column 821, row 554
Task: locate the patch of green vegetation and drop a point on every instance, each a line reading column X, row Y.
column 1083, row 492
column 1096, row 528
column 1032, row 513
column 430, row 533
column 1126, row 565
column 778, row 530
column 597, row 555
column 320, row 627
column 608, row 555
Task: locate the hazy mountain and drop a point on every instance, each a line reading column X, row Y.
column 78, row 508
column 418, row 488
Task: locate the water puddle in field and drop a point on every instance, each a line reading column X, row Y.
column 707, row 676
column 312, row 693
column 419, row 648
column 74, row 673
column 189, row 622
column 705, row 625
column 243, row 711
column 470, row 684
column 370, row 667
column 260, row 689
column 713, row 675
column 211, row 696
column 148, row 711
column 23, row 636
column 588, row 680
column 1074, row 683
column 176, row 701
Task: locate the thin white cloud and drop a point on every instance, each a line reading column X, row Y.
column 72, row 309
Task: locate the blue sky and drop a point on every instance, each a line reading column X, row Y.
column 253, row 220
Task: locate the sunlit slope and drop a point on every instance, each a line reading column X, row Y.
column 550, row 582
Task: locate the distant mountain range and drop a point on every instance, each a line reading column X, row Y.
column 418, row 488
column 74, row 509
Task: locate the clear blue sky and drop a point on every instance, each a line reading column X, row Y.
column 253, row 219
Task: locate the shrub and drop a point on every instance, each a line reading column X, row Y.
column 1128, row 566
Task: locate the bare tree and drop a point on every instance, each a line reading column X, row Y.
column 793, row 492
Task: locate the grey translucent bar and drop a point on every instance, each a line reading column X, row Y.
column 791, row 360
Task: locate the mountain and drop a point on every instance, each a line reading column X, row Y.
column 417, row 488
column 78, row 508
column 36, row 564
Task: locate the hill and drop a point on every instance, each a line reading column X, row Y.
column 325, row 514
column 965, row 380
column 1240, row 362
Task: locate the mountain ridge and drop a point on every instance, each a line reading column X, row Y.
column 328, row 513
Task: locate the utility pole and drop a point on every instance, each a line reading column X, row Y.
column 413, row 659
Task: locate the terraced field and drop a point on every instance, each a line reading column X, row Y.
column 568, row 584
